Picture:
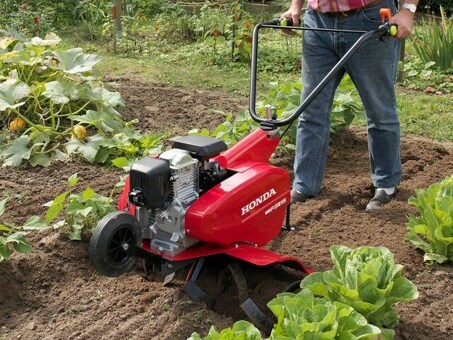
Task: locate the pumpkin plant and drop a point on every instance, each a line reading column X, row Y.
column 56, row 107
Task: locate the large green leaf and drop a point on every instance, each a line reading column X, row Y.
column 43, row 160
column 16, row 152
column 106, row 97
column 61, row 91
column 49, row 40
column 5, row 252
column 102, row 120
column 11, row 94
column 55, row 207
column 74, row 61
column 35, row 223
column 19, row 242
column 88, row 150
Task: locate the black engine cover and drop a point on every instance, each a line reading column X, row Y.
column 200, row 147
column 149, row 182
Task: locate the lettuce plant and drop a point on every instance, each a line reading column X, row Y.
column 304, row 316
column 367, row 279
column 241, row 330
column 432, row 231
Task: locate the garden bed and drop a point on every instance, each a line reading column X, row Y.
column 54, row 292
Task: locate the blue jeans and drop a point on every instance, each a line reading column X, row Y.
column 373, row 70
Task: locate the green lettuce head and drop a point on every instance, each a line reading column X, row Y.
column 367, row 279
column 432, row 230
column 304, row 316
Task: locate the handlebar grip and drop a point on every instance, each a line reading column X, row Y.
column 393, row 30
column 283, row 22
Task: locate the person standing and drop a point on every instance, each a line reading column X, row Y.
column 373, row 71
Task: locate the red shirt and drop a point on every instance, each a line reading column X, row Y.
column 326, row 6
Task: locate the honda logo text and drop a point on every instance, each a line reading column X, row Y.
column 257, row 201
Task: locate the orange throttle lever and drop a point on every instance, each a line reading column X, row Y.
column 386, row 15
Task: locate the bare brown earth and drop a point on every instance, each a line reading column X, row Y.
column 54, row 292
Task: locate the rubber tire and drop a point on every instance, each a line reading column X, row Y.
column 102, row 241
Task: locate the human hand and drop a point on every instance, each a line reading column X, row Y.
column 293, row 13
column 405, row 21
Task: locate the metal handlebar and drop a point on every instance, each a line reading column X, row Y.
column 385, row 29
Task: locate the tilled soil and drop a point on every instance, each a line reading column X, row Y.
column 54, row 292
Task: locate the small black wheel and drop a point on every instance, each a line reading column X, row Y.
column 111, row 241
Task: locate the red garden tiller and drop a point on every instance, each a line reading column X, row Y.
column 199, row 201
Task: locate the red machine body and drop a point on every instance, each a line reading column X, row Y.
column 240, row 214
column 232, row 212
column 250, row 205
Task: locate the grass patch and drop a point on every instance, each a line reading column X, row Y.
column 426, row 115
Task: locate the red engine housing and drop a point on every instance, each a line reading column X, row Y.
column 247, row 207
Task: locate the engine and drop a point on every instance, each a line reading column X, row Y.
column 163, row 188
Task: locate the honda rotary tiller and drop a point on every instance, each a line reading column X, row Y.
column 200, row 199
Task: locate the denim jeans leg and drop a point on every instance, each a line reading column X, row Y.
column 373, row 70
column 313, row 129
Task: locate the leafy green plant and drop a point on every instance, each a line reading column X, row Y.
column 304, row 316
column 151, row 8
column 174, row 24
column 47, row 94
column 367, row 279
column 432, row 42
column 241, row 330
column 227, row 30
column 285, row 97
column 425, row 77
column 432, row 231
column 81, row 211
column 232, row 129
column 13, row 237
column 213, row 25
column 136, row 35
column 26, row 18
column 91, row 16
column 241, row 33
